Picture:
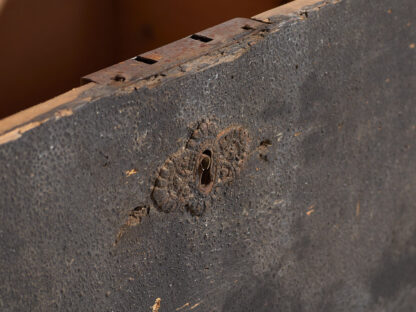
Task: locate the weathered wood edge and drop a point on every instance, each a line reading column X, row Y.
column 64, row 105
column 294, row 8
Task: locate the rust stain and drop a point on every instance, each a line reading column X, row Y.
column 184, row 306
column 412, row 46
column 156, row 306
column 297, row 134
column 202, row 62
column 389, row 11
column 176, row 53
column 131, row 172
column 153, row 55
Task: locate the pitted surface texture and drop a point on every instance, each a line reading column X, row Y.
column 192, row 177
column 286, row 170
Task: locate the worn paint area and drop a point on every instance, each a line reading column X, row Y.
column 134, row 218
column 297, row 196
column 191, row 178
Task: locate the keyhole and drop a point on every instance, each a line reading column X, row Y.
column 206, row 160
column 205, row 172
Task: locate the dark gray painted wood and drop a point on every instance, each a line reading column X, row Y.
column 318, row 215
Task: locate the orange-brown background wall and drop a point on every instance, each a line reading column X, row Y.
column 47, row 45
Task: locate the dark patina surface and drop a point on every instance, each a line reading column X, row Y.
column 274, row 174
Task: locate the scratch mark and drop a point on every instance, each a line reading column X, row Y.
column 131, row 172
column 310, row 210
column 278, row 202
column 194, row 306
column 357, row 209
column 70, row 262
column 184, row 306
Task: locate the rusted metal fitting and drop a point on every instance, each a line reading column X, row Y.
column 176, row 53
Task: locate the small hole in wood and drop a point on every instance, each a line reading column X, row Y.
column 266, row 143
column 247, row 27
column 205, row 165
column 205, row 172
column 207, row 152
column 119, row 78
column 205, row 178
column 145, row 60
column 201, row 38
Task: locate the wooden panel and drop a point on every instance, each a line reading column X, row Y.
column 275, row 173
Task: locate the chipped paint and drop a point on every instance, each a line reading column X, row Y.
column 293, row 8
column 131, row 172
column 13, row 127
column 134, row 218
column 17, row 133
column 156, row 306
column 311, row 209
column 63, row 113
